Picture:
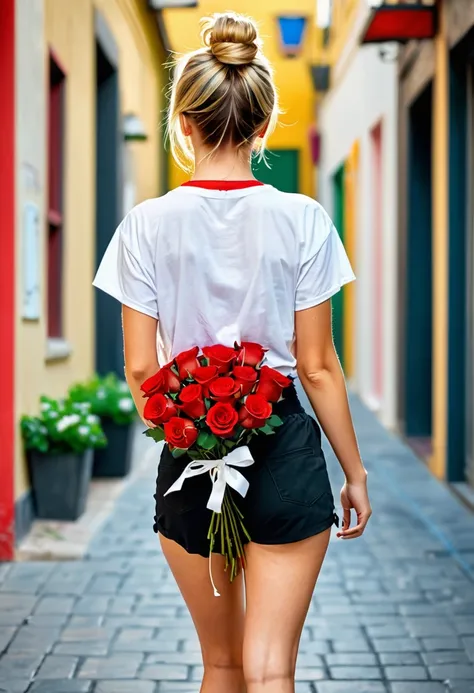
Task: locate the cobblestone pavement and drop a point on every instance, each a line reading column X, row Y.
column 393, row 612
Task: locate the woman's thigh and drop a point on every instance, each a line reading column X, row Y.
column 279, row 581
column 219, row 621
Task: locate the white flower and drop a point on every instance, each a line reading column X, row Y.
column 123, row 387
column 83, row 431
column 43, row 430
column 45, row 406
column 125, row 404
column 92, row 419
column 67, row 422
column 53, row 414
column 82, row 407
column 101, row 393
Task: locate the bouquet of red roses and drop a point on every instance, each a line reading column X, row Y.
column 208, row 405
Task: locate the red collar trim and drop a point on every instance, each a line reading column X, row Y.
column 222, row 184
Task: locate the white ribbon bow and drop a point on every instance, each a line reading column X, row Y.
column 222, row 472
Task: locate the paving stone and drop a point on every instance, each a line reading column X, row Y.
column 195, row 658
column 351, row 659
column 124, row 666
column 89, row 604
column 82, row 634
column 14, row 685
column 399, row 658
column 19, row 665
column 6, row 635
column 125, row 687
column 32, row 639
column 397, row 644
column 351, row 646
column 83, row 649
column 315, row 646
column 449, row 657
column 461, row 686
column 309, row 674
column 433, row 644
column 350, row 687
column 417, row 687
column 61, row 686
column 165, row 672
column 406, row 673
column 55, row 605
column 57, row 667
column 452, row 671
column 354, row 672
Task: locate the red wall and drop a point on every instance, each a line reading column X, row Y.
column 7, row 277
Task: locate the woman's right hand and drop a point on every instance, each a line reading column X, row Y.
column 354, row 495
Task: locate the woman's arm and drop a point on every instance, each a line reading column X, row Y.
column 139, row 340
column 323, row 381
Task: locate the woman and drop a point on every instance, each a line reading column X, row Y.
column 225, row 259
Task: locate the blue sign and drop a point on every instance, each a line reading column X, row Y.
column 291, row 32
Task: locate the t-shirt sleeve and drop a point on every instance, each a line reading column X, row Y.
column 126, row 271
column 324, row 266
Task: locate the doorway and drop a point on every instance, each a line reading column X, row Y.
column 283, row 173
column 109, row 350
column 418, row 296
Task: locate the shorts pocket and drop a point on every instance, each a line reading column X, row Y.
column 300, row 475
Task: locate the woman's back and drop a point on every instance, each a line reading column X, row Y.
column 225, row 266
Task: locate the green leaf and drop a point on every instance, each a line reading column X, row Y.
column 274, row 421
column 173, row 395
column 157, row 434
column 178, row 452
column 206, row 440
column 208, row 403
column 229, row 443
column 268, row 430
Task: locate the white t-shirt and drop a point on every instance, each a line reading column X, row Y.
column 218, row 267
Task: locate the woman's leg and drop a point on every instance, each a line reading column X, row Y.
column 279, row 583
column 219, row 621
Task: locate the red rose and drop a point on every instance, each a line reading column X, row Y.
column 163, row 381
column 180, row 433
column 222, row 419
column 221, row 356
column 204, row 375
column 271, row 384
column 192, row 401
column 187, row 362
column 246, row 377
column 224, row 389
column 159, row 409
column 255, row 412
column 251, row 354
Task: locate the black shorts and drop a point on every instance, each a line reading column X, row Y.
column 289, row 496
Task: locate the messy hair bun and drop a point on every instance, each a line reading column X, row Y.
column 226, row 88
column 231, row 38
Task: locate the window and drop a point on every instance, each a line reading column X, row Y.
column 55, row 203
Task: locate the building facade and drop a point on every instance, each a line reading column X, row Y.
column 437, row 299
column 83, row 145
column 396, row 172
column 357, row 183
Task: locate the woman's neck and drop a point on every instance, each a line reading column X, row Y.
column 226, row 164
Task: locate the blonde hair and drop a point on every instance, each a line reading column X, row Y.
column 226, row 88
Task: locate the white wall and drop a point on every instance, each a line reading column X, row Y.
column 364, row 94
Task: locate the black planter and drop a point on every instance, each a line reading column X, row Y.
column 60, row 483
column 116, row 459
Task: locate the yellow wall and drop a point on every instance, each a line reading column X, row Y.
column 69, row 32
column 440, row 169
column 350, row 218
column 293, row 76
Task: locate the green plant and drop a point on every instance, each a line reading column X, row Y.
column 62, row 426
column 109, row 397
